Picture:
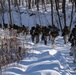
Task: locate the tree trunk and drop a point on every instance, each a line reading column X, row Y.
column 58, row 14
column 63, row 11
column 22, row 2
column 75, row 6
column 19, row 14
column 2, row 14
column 52, row 12
column 43, row 4
column 29, row 4
column 37, row 4
column 10, row 14
column 72, row 15
column 33, row 3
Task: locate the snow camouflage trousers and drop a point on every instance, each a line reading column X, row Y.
column 45, row 40
column 53, row 41
column 65, row 37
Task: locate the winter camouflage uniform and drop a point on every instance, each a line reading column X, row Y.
column 65, row 34
column 37, row 33
column 49, row 27
column 32, row 33
column 54, row 34
column 45, row 34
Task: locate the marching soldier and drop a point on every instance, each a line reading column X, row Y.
column 54, row 34
column 37, row 32
column 49, row 32
column 43, row 28
column 32, row 32
column 65, row 34
column 45, row 34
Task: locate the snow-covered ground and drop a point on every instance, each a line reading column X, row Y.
column 44, row 60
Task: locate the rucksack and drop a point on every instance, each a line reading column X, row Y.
column 65, row 31
column 46, row 31
column 55, row 31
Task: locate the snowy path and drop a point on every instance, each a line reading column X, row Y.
column 44, row 60
column 65, row 50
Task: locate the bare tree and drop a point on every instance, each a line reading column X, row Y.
column 64, row 11
column 10, row 14
column 37, row 4
column 12, row 2
column 72, row 14
column 43, row 4
column 33, row 3
column 58, row 14
column 2, row 12
column 51, row 1
column 29, row 4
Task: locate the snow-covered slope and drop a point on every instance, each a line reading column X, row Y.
column 44, row 60
column 41, row 17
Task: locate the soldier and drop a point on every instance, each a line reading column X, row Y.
column 0, row 25
column 72, row 40
column 49, row 26
column 32, row 32
column 54, row 33
column 65, row 34
column 20, row 52
column 37, row 32
column 46, row 31
column 42, row 33
column 25, row 30
column 42, row 38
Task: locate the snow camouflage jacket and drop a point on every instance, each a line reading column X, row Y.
column 32, row 31
column 46, row 31
column 55, row 31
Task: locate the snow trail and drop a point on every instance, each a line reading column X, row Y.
column 44, row 60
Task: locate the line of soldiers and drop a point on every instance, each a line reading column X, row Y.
column 51, row 32
column 65, row 34
column 72, row 40
column 46, row 33
column 19, row 28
